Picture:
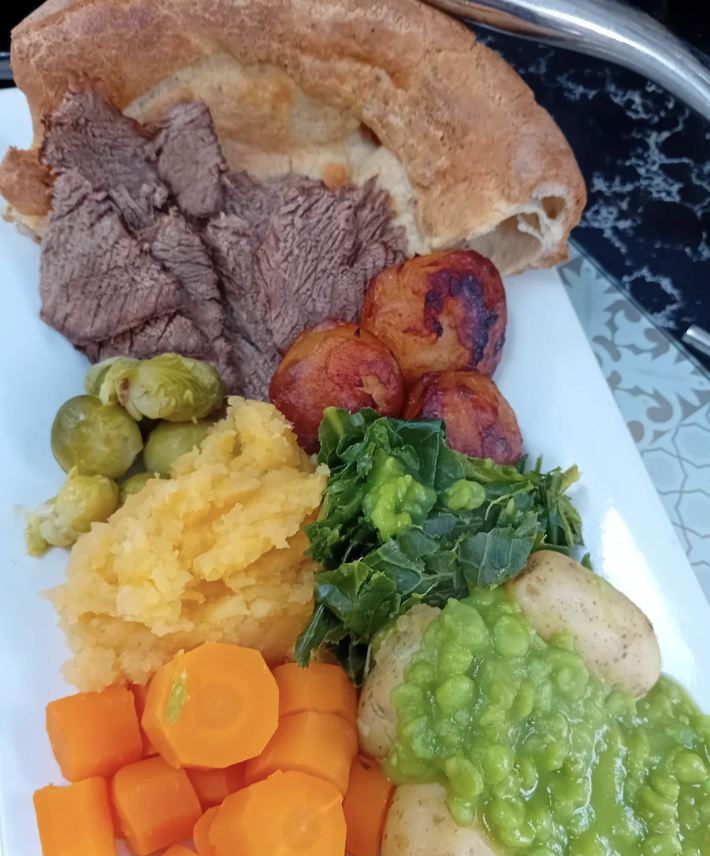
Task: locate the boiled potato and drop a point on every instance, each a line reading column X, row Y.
column 419, row 824
column 441, row 312
column 615, row 639
column 335, row 364
column 377, row 718
column 479, row 420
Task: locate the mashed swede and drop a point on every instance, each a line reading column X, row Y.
column 215, row 553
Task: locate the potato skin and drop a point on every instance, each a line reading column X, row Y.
column 335, row 364
column 614, row 638
column 419, row 824
column 440, row 312
column 479, row 421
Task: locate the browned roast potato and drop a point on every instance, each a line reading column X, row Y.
column 335, row 364
column 479, row 421
column 440, row 312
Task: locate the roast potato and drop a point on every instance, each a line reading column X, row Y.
column 614, row 638
column 335, row 364
column 419, row 824
column 440, row 312
column 479, row 421
column 377, row 718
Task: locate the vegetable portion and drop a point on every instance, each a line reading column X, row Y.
column 214, row 706
column 75, row 820
column 156, row 804
column 406, row 520
column 94, row 734
column 319, row 744
column 169, row 441
column 214, row 786
column 140, row 694
column 365, row 807
column 288, row 814
column 201, row 833
column 321, row 687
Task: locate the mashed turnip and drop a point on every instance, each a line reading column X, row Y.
column 215, row 553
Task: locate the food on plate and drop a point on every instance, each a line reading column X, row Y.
column 613, row 637
column 94, row 734
column 201, row 833
column 287, row 814
column 405, row 519
column 133, row 484
column 506, row 184
column 169, row 441
column 181, row 850
column 320, row 744
column 214, row 706
column 155, row 803
column 81, row 502
column 335, row 364
column 479, row 421
column 168, row 387
column 365, row 807
column 213, row 786
column 215, row 553
column 75, row 819
column 140, row 692
column 441, row 312
column 96, row 438
column 419, row 824
column 322, row 687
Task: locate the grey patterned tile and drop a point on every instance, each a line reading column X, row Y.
column 663, row 396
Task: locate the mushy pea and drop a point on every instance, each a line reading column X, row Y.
column 552, row 761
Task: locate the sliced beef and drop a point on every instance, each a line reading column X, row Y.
column 112, row 152
column 190, row 160
column 96, row 279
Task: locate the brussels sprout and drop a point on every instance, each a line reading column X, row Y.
column 134, row 484
column 97, row 373
column 81, row 501
column 96, row 438
column 167, row 387
column 170, row 441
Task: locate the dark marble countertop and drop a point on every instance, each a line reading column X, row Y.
column 646, row 161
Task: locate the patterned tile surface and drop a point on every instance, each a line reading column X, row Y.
column 664, row 397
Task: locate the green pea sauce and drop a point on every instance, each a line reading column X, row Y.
column 530, row 744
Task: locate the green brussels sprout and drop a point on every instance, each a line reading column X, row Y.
column 97, row 373
column 167, row 387
column 134, row 484
column 170, row 441
column 81, row 501
column 96, row 438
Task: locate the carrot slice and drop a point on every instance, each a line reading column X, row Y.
column 214, row 786
column 288, row 814
column 178, row 850
column 322, row 687
column 215, row 706
column 201, row 833
column 320, row 744
column 94, row 734
column 156, row 804
column 75, row 820
column 140, row 693
column 365, row 807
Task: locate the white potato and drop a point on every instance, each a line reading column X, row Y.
column 419, row 824
column 614, row 637
column 377, row 718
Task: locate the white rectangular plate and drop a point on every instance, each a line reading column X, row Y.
column 549, row 375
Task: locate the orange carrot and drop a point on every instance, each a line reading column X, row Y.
column 156, row 804
column 201, row 833
column 320, row 687
column 212, row 707
column 214, row 786
column 178, row 850
column 319, row 744
column 288, row 814
column 94, row 734
column 75, row 820
column 140, row 693
column 365, row 807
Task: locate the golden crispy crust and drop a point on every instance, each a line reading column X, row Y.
column 26, row 183
column 483, row 164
